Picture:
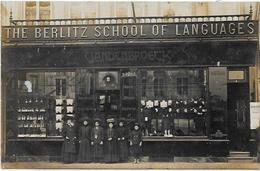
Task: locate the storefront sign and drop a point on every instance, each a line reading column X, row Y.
column 130, row 31
column 254, row 115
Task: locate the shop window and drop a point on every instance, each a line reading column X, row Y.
column 129, row 97
column 60, row 87
column 182, row 86
column 159, row 87
column 154, row 84
column 186, row 88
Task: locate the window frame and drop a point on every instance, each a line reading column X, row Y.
column 37, row 17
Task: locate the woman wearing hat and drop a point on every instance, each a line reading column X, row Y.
column 122, row 140
column 136, row 143
column 84, row 155
column 111, row 152
column 69, row 144
column 97, row 136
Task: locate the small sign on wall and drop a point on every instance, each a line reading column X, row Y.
column 254, row 115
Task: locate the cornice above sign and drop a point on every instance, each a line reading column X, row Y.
column 60, row 33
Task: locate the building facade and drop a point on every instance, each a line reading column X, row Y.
column 187, row 76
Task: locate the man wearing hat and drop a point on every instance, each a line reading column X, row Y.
column 84, row 155
column 69, row 144
column 122, row 140
column 97, row 141
column 111, row 148
column 136, row 143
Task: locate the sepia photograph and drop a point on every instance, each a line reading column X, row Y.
column 130, row 85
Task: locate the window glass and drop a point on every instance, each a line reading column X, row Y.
column 75, row 10
column 41, row 100
column 30, row 10
column 44, row 11
column 187, row 89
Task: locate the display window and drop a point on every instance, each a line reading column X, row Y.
column 38, row 101
column 185, row 91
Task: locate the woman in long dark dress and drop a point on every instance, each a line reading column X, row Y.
column 84, row 155
column 69, row 144
column 97, row 142
column 136, row 143
column 122, row 141
column 111, row 152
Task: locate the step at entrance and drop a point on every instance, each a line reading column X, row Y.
column 240, row 157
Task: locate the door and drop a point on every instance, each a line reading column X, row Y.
column 238, row 115
column 108, row 103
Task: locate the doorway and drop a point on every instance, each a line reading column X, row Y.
column 238, row 115
column 108, row 103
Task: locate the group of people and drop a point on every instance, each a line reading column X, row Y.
column 96, row 144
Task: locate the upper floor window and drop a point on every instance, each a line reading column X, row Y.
column 44, row 11
column 37, row 10
column 30, row 10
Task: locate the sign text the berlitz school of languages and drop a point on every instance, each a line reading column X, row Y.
column 130, row 31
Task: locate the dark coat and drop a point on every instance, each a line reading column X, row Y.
column 135, row 139
column 111, row 148
column 166, row 121
column 258, row 139
column 97, row 136
column 84, row 144
column 69, row 144
column 123, row 143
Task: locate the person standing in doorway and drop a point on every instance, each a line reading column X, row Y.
column 97, row 141
column 84, row 155
column 136, row 143
column 69, row 144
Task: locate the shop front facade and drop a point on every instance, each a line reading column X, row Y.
column 186, row 80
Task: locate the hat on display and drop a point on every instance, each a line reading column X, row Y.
column 68, row 117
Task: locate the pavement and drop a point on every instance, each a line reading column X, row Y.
column 142, row 165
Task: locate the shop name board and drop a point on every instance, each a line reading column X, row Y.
column 130, row 31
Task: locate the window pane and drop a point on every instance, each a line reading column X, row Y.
column 44, row 10
column 75, row 10
column 30, row 10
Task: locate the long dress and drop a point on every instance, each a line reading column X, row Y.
column 97, row 136
column 111, row 148
column 84, row 155
column 123, row 143
column 69, row 144
column 136, row 138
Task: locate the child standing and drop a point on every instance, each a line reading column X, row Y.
column 136, row 143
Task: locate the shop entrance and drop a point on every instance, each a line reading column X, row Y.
column 108, row 94
column 238, row 112
column 108, row 103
